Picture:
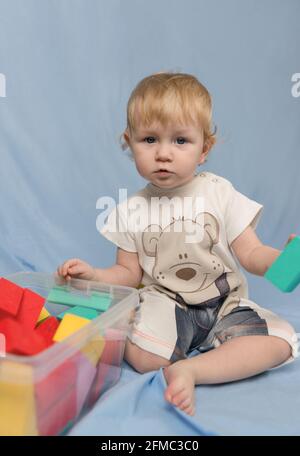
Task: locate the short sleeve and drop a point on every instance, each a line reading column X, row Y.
column 240, row 212
column 117, row 230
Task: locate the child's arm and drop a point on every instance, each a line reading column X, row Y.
column 127, row 270
column 252, row 254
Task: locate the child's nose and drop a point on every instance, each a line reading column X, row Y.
column 163, row 152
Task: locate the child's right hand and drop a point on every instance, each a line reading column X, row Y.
column 77, row 269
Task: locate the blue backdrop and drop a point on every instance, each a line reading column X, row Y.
column 70, row 66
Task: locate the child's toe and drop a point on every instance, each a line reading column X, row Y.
column 169, row 393
column 186, row 403
column 180, row 398
column 190, row 411
column 173, row 391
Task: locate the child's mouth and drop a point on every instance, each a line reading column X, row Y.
column 162, row 172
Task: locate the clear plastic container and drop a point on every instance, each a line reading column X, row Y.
column 47, row 393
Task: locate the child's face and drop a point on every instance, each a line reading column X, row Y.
column 177, row 149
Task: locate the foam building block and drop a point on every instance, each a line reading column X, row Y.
column 21, row 340
column 83, row 312
column 97, row 300
column 91, row 354
column 284, row 273
column 109, row 366
column 85, row 378
column 94, row 349
column 67, row 428
column 56, row 397
column 60, row 415
column 17, row 403
column 69, row 325
column 47, row 328
column 30, row 308
column 43, row 315
column 10, row 297
column 50, row 388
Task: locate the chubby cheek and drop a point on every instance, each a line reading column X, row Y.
column 186, row 164
column 141, row 165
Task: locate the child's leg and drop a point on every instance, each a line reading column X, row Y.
column 238, row 358
column 142, row 360
column 152, row 341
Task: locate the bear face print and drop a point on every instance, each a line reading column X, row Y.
column 181, row 265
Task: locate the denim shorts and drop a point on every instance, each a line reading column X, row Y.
column 173, row 329
column 198, row 327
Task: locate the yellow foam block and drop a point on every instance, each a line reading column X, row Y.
column 17, row 404
column 69, row 324
column 43, row 315
column 93, row 350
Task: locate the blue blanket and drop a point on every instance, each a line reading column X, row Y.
column 267, row 404
column 137, row 407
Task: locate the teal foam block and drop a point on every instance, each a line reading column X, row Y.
column 97, row 300
column 284, row 273
column 83, row 312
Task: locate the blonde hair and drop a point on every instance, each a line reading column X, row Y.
column 170, row 97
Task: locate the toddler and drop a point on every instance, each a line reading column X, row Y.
column 193, row 295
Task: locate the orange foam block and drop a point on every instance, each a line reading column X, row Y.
column 17, row 404
column 69, row 324
column 43, row 315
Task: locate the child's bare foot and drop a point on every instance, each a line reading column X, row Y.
column 181, row 386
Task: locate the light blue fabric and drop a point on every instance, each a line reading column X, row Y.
column 137, row 407
column 69, row 68
column 267, row 404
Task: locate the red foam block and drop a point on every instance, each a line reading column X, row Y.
column 55, row 385
column 20, row 340
column 30, row 308
column 47, row 328
column 108, row 368
column 57, row 417
column 10, row 297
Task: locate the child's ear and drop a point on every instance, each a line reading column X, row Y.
column 205, row 151
column 126, row 136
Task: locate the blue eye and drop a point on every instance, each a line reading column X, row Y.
column 181, row 139
column 149, row 137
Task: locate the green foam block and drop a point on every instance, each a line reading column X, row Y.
column 97, row 300
column 83, row 312
column 284, row 273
